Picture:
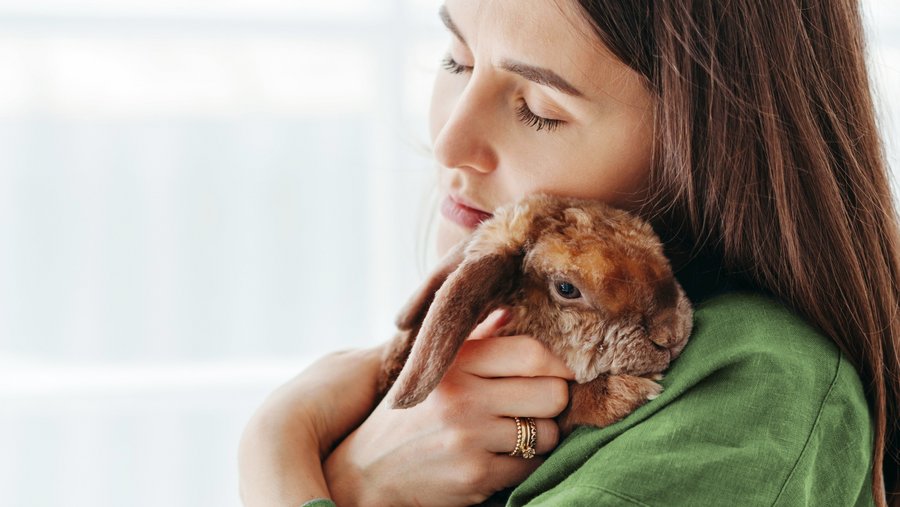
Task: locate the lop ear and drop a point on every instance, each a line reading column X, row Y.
column 411, row 316
column 413, row 312
column 476, row 287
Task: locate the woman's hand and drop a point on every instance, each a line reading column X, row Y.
column 282, row 447
column 453, row 448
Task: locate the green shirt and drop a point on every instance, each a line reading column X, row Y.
column 759, row 409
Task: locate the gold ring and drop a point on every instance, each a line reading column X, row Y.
column 526, row 437
column 529, row 451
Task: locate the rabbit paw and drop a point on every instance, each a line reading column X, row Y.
column 606, row 400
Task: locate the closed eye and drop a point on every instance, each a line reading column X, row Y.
column 523, row 112
column 451, row 66
column 532, row 120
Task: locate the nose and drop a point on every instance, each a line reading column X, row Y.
column 467, row 138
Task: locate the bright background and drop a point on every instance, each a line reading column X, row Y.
column 197, row 197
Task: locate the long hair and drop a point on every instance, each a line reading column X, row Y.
column 768, row 157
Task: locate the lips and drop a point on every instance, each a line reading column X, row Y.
column 462, row 214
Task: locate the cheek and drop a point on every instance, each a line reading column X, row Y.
column 636, row 158
column 628, row 177
column 637, row 147
column 610, row 164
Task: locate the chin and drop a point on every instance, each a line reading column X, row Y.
column 449, row 234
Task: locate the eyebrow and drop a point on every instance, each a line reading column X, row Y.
column 541, row 76
column 448, row 22
column 538, row 75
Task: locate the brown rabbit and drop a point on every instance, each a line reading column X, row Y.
column 588, row 280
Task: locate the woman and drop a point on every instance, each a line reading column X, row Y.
column 744, row 130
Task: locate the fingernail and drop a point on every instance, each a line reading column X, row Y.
column 501, row 317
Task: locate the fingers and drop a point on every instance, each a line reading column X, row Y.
column 543, row 397
column 501, row 435
column 489, row 326
column 492, row 466
column 512, row 470
column 509, row 470
column 511, row 356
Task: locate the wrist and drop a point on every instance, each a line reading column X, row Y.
column 345, row 478
column 279, row 464
column 335, row 405
column 287, row 439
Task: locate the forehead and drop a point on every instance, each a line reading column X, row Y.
column 554, row 34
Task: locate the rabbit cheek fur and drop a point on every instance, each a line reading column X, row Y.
column 631, row 319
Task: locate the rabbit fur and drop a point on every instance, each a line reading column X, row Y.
column 631, row 320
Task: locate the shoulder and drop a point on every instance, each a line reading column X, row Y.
column 760, row 409
column 757, row 339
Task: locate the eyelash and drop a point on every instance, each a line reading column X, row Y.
column 522, row 112
column 450, row 65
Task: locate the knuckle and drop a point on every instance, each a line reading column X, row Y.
column 476, row 498
column 474, row 474
column 338, row 353
column 559, row 394
column 332, row 359
column 450, row 401
column 549, row 435
column 534, row 355
column 458, row 437
column 467, row 353
column 445, row 411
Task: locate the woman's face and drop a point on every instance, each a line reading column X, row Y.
column 529, row 101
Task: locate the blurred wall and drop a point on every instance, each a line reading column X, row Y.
column 196, row 198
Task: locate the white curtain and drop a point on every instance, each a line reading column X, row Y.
column 197, row 197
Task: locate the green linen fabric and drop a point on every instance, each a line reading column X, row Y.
column 319, row 502
column 760, row 409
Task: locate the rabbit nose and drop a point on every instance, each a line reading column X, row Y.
column 641, row 359
column 675, row 350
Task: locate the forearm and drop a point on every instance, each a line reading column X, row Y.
column 279, row 472
column 284, row 443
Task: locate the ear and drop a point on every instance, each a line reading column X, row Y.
column 478, row 286
column 413, row 312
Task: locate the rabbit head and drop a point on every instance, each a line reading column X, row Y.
column 588, row 280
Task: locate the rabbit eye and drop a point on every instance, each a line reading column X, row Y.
column 567, row 290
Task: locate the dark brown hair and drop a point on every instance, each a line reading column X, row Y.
column 768, row 158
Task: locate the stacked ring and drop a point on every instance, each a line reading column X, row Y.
column 526, row 438
column 529, row 451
